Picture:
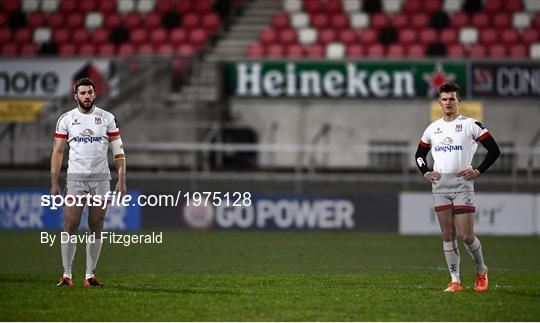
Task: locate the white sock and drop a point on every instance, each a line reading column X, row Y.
column 92, row 255
column 68, row 254
column 475, row 250
column 451, row 254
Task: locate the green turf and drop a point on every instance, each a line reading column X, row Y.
column 270, row 276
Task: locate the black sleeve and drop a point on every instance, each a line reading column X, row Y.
column 420, row 158
column 493, row 153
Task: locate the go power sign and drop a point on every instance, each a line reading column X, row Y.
column 343, row 79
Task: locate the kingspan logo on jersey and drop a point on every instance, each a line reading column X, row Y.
column 447, row 145
column 86, row 136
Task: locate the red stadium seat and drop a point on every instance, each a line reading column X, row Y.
column 191, row 21
column 107, row 49
column 431, row 6
column 3, row 19
column 145, row 49
column 139, row 36
column 255, row 51
column 28, row 50
column 36, row 19
column 202, row 6
column 184, row 6
column 477, row 51
column 519, row 51
column 339, row 21
column 56, row 20
column 509, row 36
column 80, row 36
column 100, row 36
column 177, row 36
column 419, row 20
column 449, row 36
column 10, row 50
column 113, row 20
column 333, row 6
column 315, row 51
column 185, row 50
column 125, row 50
column 133, row 20
column 395, row 51
column 320, row 21
column 327, row 36
column 87, row 5
column 347, row 36
column 412, row 6
column 267, row 36
column 22, row 36
column 355, row 51
column 275, row 51
column 312, row 6
column 427, row 36
column 407, row 36
column 493, row 6
column 163, row 6
column 280, row 20
column 489, row 36
column 10, row 6
column 400, row 21
column 75, row 21
column 480, row 20
column 530, row 35
column 159, row 36
column 536, row 21
column 368, row 36
column 87, row 50
column 456, row 51
column 152, row 20
column 61, row 36
column 502, row 20
column 497, row 51
column 379, row 20
column 67, row 50
column 5, row 35
column 288, row 36
column 106, row 6
column 68, row 7
column 295, row 51
column 165, row 49
column 210, row 23
column 375, row 51
column 416, row 51
column 198, row 38
column 512, row 6
column 460, row 19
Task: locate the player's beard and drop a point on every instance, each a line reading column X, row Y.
column 86, row 106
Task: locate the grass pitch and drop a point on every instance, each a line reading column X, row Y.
column 270, row 276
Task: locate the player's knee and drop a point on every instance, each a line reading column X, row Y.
column 448, row 234
column 467, row 238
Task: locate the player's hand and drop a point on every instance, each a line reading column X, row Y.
column 55, row 189
column 432, row 176
column 469, row 173
column 121, row 188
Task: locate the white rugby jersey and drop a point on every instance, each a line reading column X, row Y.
column 453, row 143
column 88, row 139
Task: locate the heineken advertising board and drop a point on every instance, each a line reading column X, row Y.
column 341, row 79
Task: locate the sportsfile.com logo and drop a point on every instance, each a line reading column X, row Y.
column 86, row 137
column 447, row 145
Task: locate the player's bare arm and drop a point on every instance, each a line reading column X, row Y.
column 120, row 162
column 56, row 163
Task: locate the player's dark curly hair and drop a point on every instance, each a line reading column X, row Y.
column 83, row 81
column 448, row 87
